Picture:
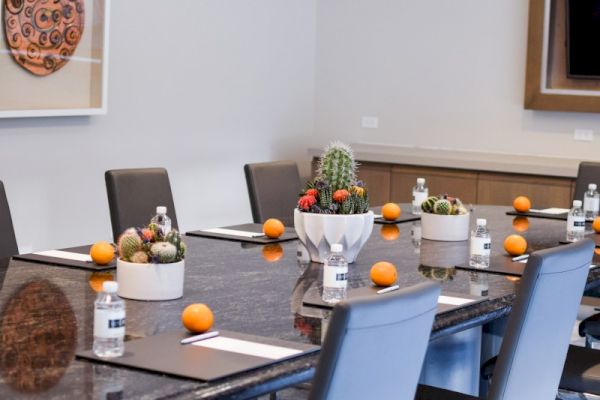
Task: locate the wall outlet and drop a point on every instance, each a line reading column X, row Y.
column 370, row 122
column 586, row 135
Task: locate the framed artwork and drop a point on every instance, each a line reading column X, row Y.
column 53, row 57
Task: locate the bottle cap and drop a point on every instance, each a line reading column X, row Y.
column 576, row 203
column 592, row 186
column 421, row 181
column 337, row 248
column 110, row 286
column 481, row 221
column 161, row 210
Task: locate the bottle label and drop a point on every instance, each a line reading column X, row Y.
column 591, row 204
column 335, row 277
column 419, row 197
column 576, row 224
column 481, row 246
column 109, row 323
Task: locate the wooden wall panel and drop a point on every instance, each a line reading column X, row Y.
column 501, row 189
column 458, row 183
column 377, row 178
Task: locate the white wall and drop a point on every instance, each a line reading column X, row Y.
column 199, row 87
column 437, row 73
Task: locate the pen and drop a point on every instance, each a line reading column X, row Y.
column 519, row 258
column 388, row 289
column 197, row 338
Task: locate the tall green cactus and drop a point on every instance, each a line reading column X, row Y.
column 337, row 166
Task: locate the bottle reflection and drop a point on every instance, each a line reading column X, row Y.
column 478, row 284
column 415, row 236
column 38, row 337
column 302, row 255
column 108, row 382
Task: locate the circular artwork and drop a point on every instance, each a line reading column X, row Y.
column 43, row 34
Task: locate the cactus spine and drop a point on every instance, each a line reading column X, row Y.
column 442, row 207
column 337, row 166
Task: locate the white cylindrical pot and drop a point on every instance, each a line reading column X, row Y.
column 150, row 281
column 319, row 231
column 448, row 228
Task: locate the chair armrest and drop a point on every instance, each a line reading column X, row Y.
column 590, row 326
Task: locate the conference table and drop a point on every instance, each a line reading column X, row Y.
column 47, row 311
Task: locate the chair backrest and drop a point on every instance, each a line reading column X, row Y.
column 8, row 241
column 134, row 194
column 538, row 331
column 589, row 172
column 273, row 188
column 375, row 346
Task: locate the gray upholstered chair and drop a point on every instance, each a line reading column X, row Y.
column 536, row 340
column 134, row 194
column 8, row 242
column 273, row 188
column 375, row 346
column 589, row 172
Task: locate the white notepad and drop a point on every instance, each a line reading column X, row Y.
column 67, row 255
column 234, row 232
column 552, row 210
column 455, row 301
column 377, row 216
column 248, row 348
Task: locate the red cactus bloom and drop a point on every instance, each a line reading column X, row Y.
column 148, row 234
column 312, row 192
column 340, row 195
column 306, row 202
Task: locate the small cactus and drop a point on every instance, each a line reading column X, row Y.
column 139, row 257
column 427, row 205
column 337, row 167
column 129, row 243
column 166, row 252
column 442, row 207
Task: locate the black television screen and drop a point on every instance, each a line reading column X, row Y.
column 583, row 39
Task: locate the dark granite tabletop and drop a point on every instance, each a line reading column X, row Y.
column 47, row 311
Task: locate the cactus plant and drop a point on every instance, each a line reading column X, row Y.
column 165, row 251
column 129, row 243
column 146, row 245
column 427, row 205
column 442, row 207
column 139, row 257
column 337, row 166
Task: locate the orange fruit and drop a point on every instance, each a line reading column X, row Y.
column 522, row 204
column 520, row 224
column 273, row 228
column 272, row 252
column 98, row 278
column 597, row 251
column 596, row 225
column 390, row 211
column 197, row 318
column 389, row 232
column 384, row 273
column 102, row 253
column 515, row 245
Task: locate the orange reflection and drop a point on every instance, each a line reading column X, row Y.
column 272, row 252
column 520, row 224
column 98, row 278
column 389, row 232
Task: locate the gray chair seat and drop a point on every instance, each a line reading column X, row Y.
column 582, row 370
column 589, row 172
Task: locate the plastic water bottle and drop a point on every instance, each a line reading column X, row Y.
column 575, row 222
column 481, row 245
column 109, row 322
column 335, row 275
column 591, row 202
column 162, row 220
column 419, row 195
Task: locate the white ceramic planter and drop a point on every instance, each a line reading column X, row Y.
column 150, row 281
column 448, row 228
column 319, row 231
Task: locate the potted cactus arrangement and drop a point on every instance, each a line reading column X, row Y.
column 150, row 265
column 334, row 207
column 444, row 218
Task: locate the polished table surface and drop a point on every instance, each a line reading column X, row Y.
column 47, row 311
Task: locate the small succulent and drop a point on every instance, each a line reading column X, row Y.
column 165, row 251
column 129, row 243
column 443, row 205
column 148, row 245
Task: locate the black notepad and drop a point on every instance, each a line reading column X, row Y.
column 289, row 234
column 164, row 354
column 447, row 301
column 534, row 214
column 404, row 217
column 66, row 262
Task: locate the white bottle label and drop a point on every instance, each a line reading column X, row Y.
column 575, row 224
column 109, row 323
column 335, row 277
column 481, row 246
column 591, row 204
column 419, row 197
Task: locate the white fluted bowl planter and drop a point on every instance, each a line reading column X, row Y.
column 447, row 228
column 319, row 231
column 152, row 282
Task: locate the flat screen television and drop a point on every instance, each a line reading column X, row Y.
column 583, row 39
